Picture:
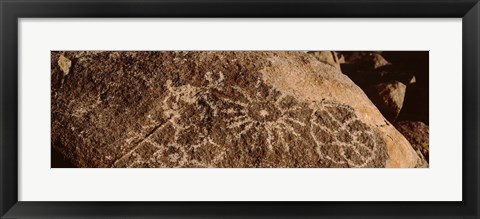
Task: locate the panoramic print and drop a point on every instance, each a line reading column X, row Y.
column 239, row 109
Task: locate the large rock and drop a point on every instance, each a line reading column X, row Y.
column 216, row 109
column 414, row 62
column 417, row 133
column 416, row 105
column 389, row 73
column 388, row 97
column 370, row 68
column 378, row 61
column 365, row 60
column 328, row 57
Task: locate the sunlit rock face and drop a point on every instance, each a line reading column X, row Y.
column 216, row 109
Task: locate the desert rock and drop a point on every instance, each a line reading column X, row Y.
column 388, row 97
column 217, row 109
column 417, row 133
column 378, row 60
column 365, row 60
column 64, row 64
column 328, row 57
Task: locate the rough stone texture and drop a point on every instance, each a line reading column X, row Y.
column 417, row 133
column 389, row 73
column 416, row 105
column 216, row 109
column 365, row 60
column 378, row 61
column 328, row 57
column 64, row 64
column 388, row 97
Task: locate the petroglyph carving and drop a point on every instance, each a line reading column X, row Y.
column 341, row 137
column 200, row 126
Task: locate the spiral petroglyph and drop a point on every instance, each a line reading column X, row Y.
column 352, row 142
column 257, row 123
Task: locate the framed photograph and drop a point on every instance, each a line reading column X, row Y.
column 255, row 109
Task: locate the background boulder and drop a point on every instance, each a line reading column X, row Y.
column 407, row 67
column 417, row 133
column 388, row 97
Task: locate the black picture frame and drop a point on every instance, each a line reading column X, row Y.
column 12, row 10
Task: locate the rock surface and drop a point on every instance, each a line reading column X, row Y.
column 64, row 64
column 408, row 67
column 416, row 63
column 378, row 61
column 216, row 109
column 328, row 57
column 388, row 97
column 365, row 60
column 417, row 133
